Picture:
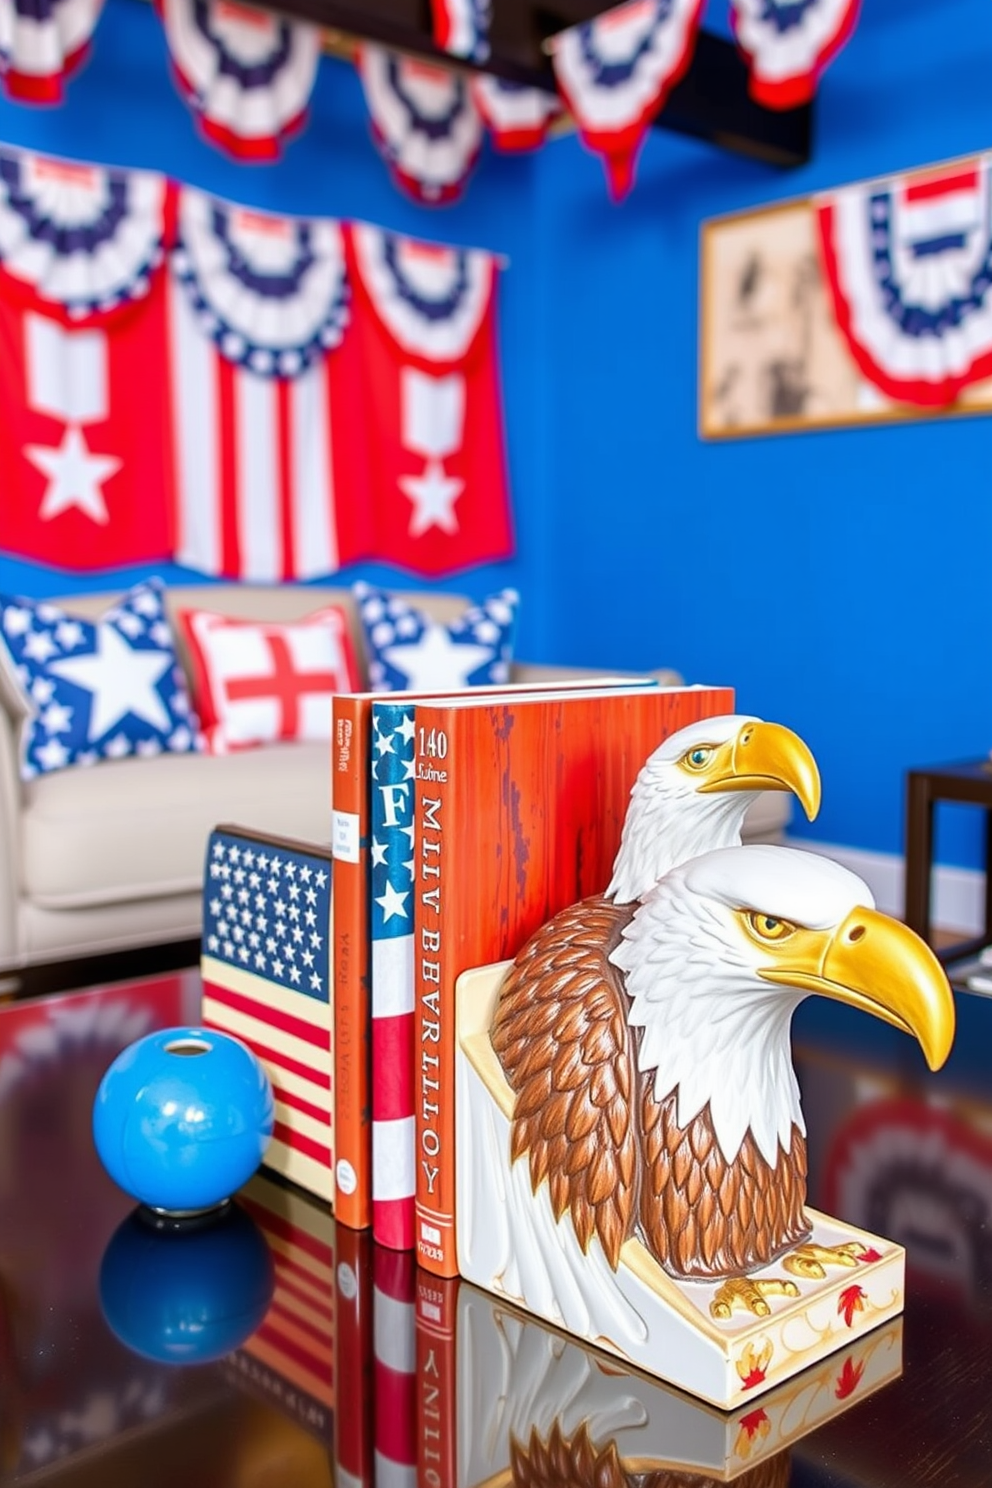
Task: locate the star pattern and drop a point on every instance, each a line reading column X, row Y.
column 96, row 690
column 392, row 823
column 75, row 476
column 433, row 495
column 411, row 652
column 287, row 892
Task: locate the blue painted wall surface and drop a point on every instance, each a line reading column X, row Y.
column 840, row 581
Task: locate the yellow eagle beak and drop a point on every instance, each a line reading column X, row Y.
column 874, row 963
column 765, row 756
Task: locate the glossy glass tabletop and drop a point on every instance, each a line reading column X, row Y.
column 273, row 1348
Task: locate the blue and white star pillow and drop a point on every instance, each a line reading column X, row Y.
column 96, row 690
column 410, row 652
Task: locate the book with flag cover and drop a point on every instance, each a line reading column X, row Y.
column 265, row 965
column 519, row 809
column 394, row 1275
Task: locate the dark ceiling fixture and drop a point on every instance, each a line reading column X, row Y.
column 710, row 103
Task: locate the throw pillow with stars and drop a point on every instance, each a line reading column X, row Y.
column 410, row 652
column 96, row 690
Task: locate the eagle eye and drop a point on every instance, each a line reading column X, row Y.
column 698, row 758
column 767, row 927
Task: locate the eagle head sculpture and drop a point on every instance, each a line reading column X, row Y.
column 692, row 794
column 648, row 1046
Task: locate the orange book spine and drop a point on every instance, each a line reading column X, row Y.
column 352, row 1006
column 354, row 1363
column 519, row 812
column 437, row 1381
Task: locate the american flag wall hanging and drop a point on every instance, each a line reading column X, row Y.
column 42, row 42
column 614, row 73
column 424, row 123
column 265, row 965
column 247, row 74
column 908, row 263
column 788, row 43
column 461, row 27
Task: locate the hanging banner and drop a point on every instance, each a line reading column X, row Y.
column 908, row 262
column 788, row 43
column 42, row 43
column 257, row 304
column 247, row 74
column 85, row 455
column 517, row 116
column 424, row 330
column 615, row 72
column 461, row 27
column 424, row 123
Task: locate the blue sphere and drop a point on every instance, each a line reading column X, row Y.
column 182, row 1118
column 189, row 1297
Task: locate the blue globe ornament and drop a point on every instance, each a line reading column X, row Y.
column 189, row 1296
column 182, row 1119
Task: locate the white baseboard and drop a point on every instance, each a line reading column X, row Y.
column 958, row 893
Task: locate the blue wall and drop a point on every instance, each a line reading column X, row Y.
column 839, row 581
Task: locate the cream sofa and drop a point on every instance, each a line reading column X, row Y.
column 110, row 858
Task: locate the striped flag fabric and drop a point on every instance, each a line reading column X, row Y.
column 265, row 966
column 289, row 1359
column 394, row 1277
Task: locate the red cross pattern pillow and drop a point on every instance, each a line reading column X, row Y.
column 257, row 682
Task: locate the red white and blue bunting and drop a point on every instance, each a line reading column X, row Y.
column 270, row 292
column 424, row 122
column 461, row 27
column 517, row 117
column 83, row 237
column 908, row 262
column 42, row 42
column 430, row 298
column 615, row 72
column 788, row 43
column 246, row 73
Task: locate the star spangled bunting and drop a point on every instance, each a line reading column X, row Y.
column 266, row 910
column 788, row 43
column 908, row 264
column 518, row 117
column 461, row 27
column 246, row 73
column 42, row 43
column 424, row 123
column 615, row 72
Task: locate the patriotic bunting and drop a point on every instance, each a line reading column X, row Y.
column 257, row 302
column 42, row 42
column 908, row 262
column 85, row 456
column 425, row 329
column 461, row 27
column 516, row 116
column 246, row 73
column 424, row 123
column 788, row 43
column 615, row 72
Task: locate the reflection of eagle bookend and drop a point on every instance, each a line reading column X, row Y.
column 645, row 1036
column 578, row 1462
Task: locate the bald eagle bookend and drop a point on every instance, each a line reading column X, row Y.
column 630, row 1143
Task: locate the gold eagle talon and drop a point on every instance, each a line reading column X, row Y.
column 811, row 1261
column 749, row 1296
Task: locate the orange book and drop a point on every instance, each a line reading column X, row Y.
column 351, row 728
column 520, row 804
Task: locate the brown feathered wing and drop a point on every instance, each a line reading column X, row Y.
column 560, row 1032
column 578, row 1462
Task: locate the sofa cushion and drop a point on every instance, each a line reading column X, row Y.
column 136, row 829
column 96, row 691
column 258, row 681
column 409, row 651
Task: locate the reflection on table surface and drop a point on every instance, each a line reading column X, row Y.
column 274, row 1348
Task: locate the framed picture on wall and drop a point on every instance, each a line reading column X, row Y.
column 871, row 303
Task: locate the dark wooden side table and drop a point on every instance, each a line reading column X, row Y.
column 969, row 782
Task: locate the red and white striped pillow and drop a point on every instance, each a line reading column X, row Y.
column 255, row 682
